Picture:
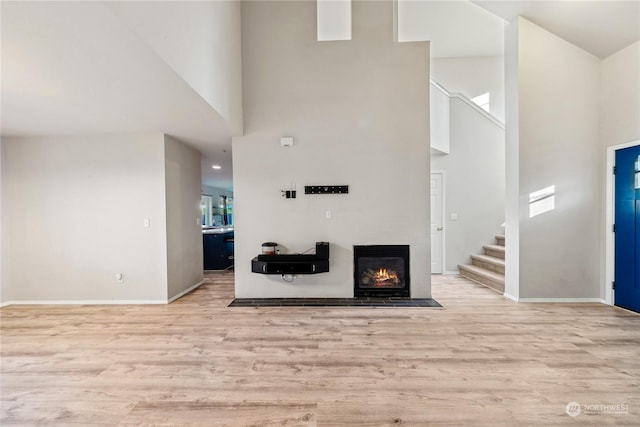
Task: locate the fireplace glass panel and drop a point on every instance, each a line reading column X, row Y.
column 381, row 272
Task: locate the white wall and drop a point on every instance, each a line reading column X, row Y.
column 473, row 76
column 74, row 208
column 619, row 118
column 512, row 161
column 184, row 233
column 620, row 91
column 440, row 107
column 454, row 28
column 359, row 113
column 559, row 92
column 2, row 267
column 475, row 183
column 200, row 41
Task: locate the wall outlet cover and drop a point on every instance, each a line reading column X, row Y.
column 286, row 141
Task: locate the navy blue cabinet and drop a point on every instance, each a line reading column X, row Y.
column 218, row 250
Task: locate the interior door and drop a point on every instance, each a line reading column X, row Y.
column 437, row 227
column 627, row 228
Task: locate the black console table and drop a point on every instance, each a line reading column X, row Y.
column 293, row 263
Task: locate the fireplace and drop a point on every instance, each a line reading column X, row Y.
column 381, row 271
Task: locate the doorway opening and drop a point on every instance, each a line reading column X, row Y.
column 622, row 244
column 437, row 222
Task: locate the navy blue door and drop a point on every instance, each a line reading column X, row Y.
column 627, row 220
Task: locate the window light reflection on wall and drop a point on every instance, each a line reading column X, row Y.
column 636, row 181
column 483, row 101
column 542, row 201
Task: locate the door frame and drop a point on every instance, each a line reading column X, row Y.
column 610, row 256
column 443, row 173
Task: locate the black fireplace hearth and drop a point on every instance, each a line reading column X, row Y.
column 381, row 271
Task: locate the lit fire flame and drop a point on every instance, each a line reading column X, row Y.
column 383, row 275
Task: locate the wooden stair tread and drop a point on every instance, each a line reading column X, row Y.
column 487, row 269
column 483, row 272
column 489, row 259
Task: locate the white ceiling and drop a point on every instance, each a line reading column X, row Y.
column 221, row 178
column 601, row 27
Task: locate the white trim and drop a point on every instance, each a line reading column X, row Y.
column 609, row 272
column 103, row 302
column 511, row 297
column 562, row 300
column 85, row 302
column 555, row 300
column 443, row 173
column 186, row 291
column 440, row 87
column 451, row 273
column 469, row 102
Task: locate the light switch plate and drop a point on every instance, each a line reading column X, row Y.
column 286, row 141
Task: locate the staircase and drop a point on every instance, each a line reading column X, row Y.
column 487, row 269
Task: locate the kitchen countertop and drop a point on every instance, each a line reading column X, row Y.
column 216, row 230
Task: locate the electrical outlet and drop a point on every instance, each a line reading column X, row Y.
column 147, row 223
column 327, row 214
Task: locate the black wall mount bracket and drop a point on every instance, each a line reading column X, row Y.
column 326, row 189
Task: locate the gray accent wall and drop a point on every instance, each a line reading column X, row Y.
column 358, row 111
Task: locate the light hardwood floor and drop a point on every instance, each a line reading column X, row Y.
column 480, row 360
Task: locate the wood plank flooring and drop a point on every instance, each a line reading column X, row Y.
column 480, row 360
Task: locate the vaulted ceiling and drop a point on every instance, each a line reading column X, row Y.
column 74, row 67
column 601, row 27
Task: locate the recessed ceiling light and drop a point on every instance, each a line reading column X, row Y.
column 216, row 167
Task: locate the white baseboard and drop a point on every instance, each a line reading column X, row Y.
column 186, row 291
column 85, row 302
column 561, row 300
column 103, row 301
column 451, row 272
column 511, row 297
